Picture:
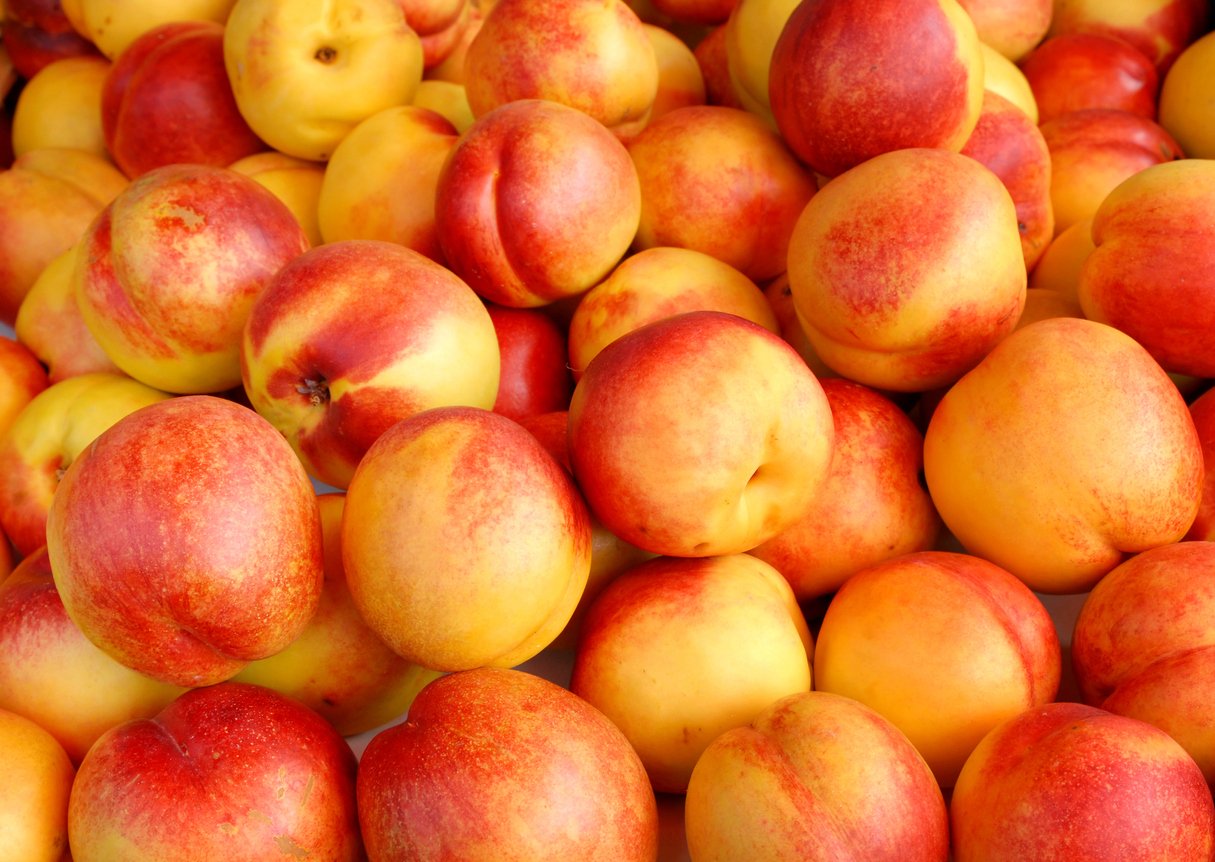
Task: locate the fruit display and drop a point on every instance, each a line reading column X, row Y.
column 613, row 430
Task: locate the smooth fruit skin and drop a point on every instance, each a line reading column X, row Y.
column 1075, row 392
column 1067, row 781
column 536, row 202
column 699, row 434
column 719, row 181
column 656, row 283
column 1150, row 273
column 48, row 197
column 23, row 378
column 872, row 507
column 1155, row 605
column 1158, row 28
column 36, row 779
column 498, row 539
column 1011, row 145
column 338, row 666
column 1093, row 150
column 353, row 336
column 983, row 649
column 901, row 302
column 679, row 650
column 849, row 80
column 1011, row 27
column 49, row 323
column 1187, row 99
column 536, row 377
column 497, row 765
column 815, row 776
column 49, row 434
column 213, row 557
column 1202, row 410
column 591, row 55
column 380, row 181
column 166, row 274
column 1075, row 71
column 230, row 771
column 167, row 99
column 55, row 676
column 304, row 72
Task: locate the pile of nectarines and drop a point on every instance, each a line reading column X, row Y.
column 607, row 430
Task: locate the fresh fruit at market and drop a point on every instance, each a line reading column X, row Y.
column 61, row 107
column 465, row 543
column 447, row 99
column 1010, row 145
column 1011, row 27
column 1159, row 28
column 896, row 301
column 1092, row 151
column 610, row 555
column 872, row 506
column 53, row 429
column 36, row 33
column 748, row 39
column 304, row 74
column 718, row 181
column 55, row 676
column 47, row 199
column 705, row 12
column 591, row 55
column 656, row 283
column 1059, row 266
column 112, row 25
column 351, row 337
column 1202, row 411
column 1002, row 76
column 1187, row 97
column 451, row 67
column 535, row 378
column 1067, row 781
column 501, row 764
column 710, row 53
column 848, row 82
column 380, row 180
column 186, row 542
column 1154, row 605
column 1043, row 303
column 698, row 435
column 49, row 323
column 36, row 779
column 338, row 666
column 676, row 651
column 294, row 181
column 680, row 81
column 1142, row 646
column 1075, row 71
column 167, row 297
column 230, row 771
column 1150, row 273
column 536, row 202
column 440, row 25
column 780, row 297
column 1067, row 449
column 167, row 100
column 22, row 377
column 815, row 776
column 982, row 649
